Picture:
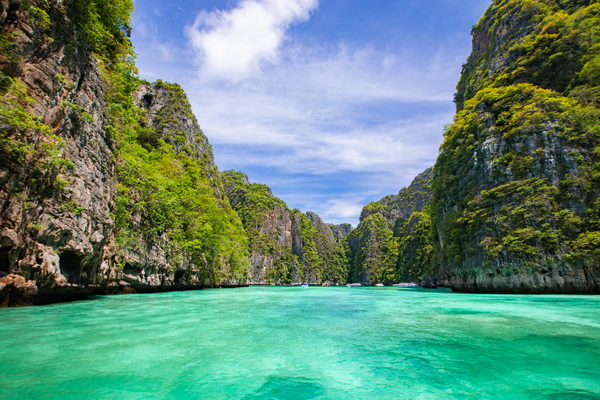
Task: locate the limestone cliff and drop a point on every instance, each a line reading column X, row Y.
column 340, row 231
column 57, row 185
column 107, row 183
column 399, row 207
column 174, row 227
column 286, row 245
column 516, row 184
column 392, row 241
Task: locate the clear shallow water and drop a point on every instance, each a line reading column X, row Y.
column 294, row 343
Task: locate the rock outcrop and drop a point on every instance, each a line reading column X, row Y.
column 399, row 207
column 107, row 184
column 57, row 186
column 287, row 246
column 392, row 241
column 340, row 231
column 515, row 188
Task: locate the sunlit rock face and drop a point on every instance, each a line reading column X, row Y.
column 287, row 246
column 61, row 234
column 515, row 185
column 57, row 182
column 392, row 242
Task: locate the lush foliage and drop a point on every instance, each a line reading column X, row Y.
column 517, row 179
column 551, row 44
column 326, row 255
column 415, row 247
column 26, row 140
column 104, row 25
column 393, row 241
column 28, row 147
column 165, row 195
column 376, row 252
column 172, row 196
column 287, row 245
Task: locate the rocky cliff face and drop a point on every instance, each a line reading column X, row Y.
column 57, row 177
column 340, row 231
column 80, row 210
column 515, row 189
column 391, row 242
column 286, row 245
column 185, row 235
column 395, row 207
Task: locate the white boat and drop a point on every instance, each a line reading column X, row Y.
column 305, row 285
column 405, row 284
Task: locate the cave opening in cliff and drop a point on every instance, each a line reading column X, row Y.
column 147, row 101
column 129, row 269
column 70, row 265
column 4, row 261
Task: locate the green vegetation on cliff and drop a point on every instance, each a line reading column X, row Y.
column 264, row 217
column 415, row 247
column 286, row 245
column 168, row 196
column 170, row 188
column 24, row 138
column 330, row 254
column 104, row 25
column 548, row 43
column 376, row 251
column 393, row 241
column 517, row 181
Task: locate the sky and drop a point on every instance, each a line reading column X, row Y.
column 332, row 103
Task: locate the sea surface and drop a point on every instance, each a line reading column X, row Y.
column 295, row 343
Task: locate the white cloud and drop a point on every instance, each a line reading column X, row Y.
column 165, row 51
column 342, row 209
column 232, row 44
column 147, row 38
column 319, row 113
column 329, row 127
column 360, row 113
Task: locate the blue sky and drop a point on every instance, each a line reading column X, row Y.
column 331, row 103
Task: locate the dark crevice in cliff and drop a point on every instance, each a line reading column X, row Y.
column 82, row 189
column 129, row 269
column 71, row 265
column 4, row 260
column 147, row 100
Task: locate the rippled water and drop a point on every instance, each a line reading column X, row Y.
column 294, row 343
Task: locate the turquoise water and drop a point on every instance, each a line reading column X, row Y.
column 294, row 343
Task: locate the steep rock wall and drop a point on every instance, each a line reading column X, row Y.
column 391, row 242
column 57, row 183
column 287, row 246
column 515, row 188
column 107, row 183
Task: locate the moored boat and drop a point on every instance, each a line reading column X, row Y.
column 405, row 284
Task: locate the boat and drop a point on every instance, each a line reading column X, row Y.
column 405, row 284
column 379, row 284
column 305, row 285
column 353, row 284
